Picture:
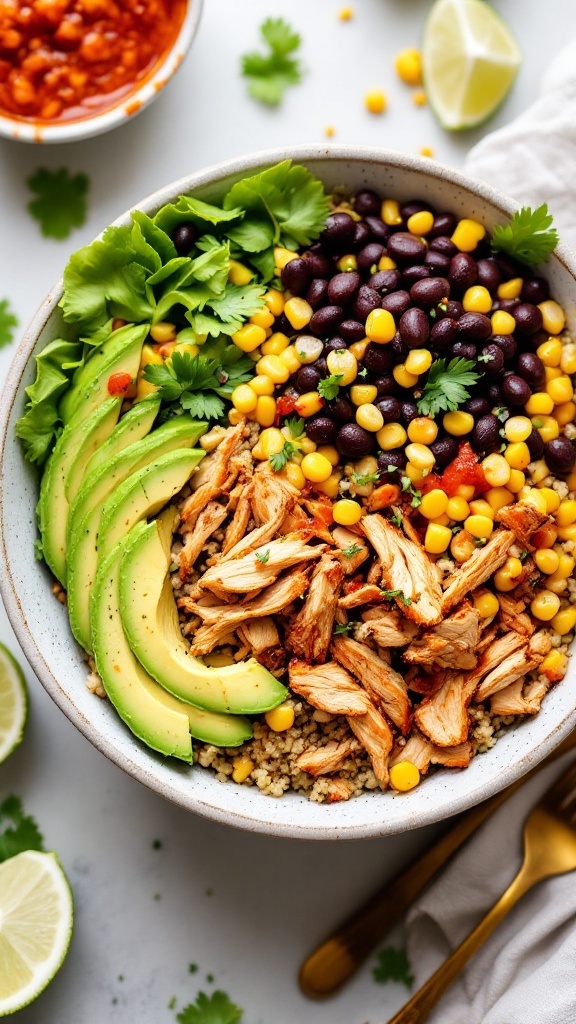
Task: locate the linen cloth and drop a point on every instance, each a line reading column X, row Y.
column 526, row 972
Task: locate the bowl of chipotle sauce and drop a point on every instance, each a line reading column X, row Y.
column 70, row 69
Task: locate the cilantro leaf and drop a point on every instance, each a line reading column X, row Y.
column 61, row 203
column 201, row 406
column 270, row 75
column 352, row 550
column 263, row 556
column 393, row 965
column 235, row 305
column 446, row 386
column 214, row 1009
column 329, row 387
column 389, row 594
column 279, row 459
column 342, row 628
column 295, row 425
column 7, row 323
column 397, row 519
column 408, row 486
column 18, row 831
column 528, row 236
column 367, row 478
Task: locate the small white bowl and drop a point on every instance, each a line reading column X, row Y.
column 27, row 130
column 41, row 623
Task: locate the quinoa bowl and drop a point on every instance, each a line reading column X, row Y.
column 43, row 628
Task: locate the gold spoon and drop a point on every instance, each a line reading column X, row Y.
column 339, row 956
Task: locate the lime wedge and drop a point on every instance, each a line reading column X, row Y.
column 35, row 926
column 13, row 703
column 469, row 61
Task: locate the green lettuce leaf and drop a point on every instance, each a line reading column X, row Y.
column 288, row 196
column 38, row 427
column 190, row 210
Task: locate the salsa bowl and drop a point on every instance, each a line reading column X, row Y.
column 41, row 623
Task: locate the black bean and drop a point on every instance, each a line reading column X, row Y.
column 316, row 294
column 352, row 330
column 463, row 271
column 485, row 437
column 367, row 203
column 322, row 367
column 453, row 309
column 414, row 328
column 509, row 267
column 408, row 413
column 283, row 325
column 508, row 305
column 414, row 206
column 370, row 255
column 535, row 445
column 326, row 320
column 444, row 245
column 444, row 450
column 530, row 367
column 489, row 274
column 537, row 339
column 297, row 275
column 353, row 441
column 442, row 334
column 321, row 429
column 515, row 390
column 366, row 300
column 184, row 238
column 385, row 281
column 528, row 318
column 427, row 294
column 378, row 358
column 390, row 465
column 396, row 303
column 399, row 348
column 378, row 229
column 416, row 273
column 386, row 385
column 307, row 379
column 362, row 235
column 507, row 343
column 492, row 360
column 560, row 455
column 444, row 224
column 495, row 396
column 535, row 289
column 405, row 248
column 321, row 265
column 333, row 345
column 339, row 232
column 390, row 408
column 340, row 409
column 437, row 262
column 477, row 406
column 464, row 350
column 343, row 288
column 475, row 326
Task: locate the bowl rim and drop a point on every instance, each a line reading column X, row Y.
column 470, row 797
column 124, row 109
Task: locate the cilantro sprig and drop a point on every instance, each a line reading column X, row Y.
column 447, row 386
column 270, row 74
column 197, row 384
column 18, row 831
column 362, row 479
column 393, row 965
column 279, row 459
column 329, row 387
column 8, row 322
column 352, row 550
column 342, row 628
column 263, row 556
column 528, row 236
column 215, row 1009
column 61, row 201
column 390, row 594
column 409, row 488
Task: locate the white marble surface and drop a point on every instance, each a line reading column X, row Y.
column 244, row 908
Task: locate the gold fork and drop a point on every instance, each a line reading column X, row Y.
column 549, row 849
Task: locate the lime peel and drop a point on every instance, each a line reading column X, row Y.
column 13, row 703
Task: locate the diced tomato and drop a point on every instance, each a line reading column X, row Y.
column 285, row 405
column 119, row 383
column 464, row 469
column 429, row 483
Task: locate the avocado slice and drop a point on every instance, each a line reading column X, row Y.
column 86, row 512
column 64, row 470
column 150, row 620
column 134, row 425
column 153, row 715
column 120, row 353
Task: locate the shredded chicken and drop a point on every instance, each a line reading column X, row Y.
column 524, row 520
column 476, row 569
column 497, row 652
column 261, row 567
column 513, row 615
column 311, row 632
column 263, row 641
column 515, row 666
column 329, row 688
column 375, row 735
column 213, row 473
column 367, row 594
column 450, row 644
column 209, row 519
column 421, row 752
column 385, row 687
column 271, row 499
column 444, row 716
column 355, row 546
column 385, row 628
column 517, row 699
column 239, row 523
column 405, row 568
column 329, row 758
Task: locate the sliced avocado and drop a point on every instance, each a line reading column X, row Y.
column 153, row 715
column 64, row 470
column 120, row 353
column 150, row 620
column 134, row 425
column 86, row 512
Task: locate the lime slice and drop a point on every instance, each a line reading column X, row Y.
column 35, row 926
column 469, row 61
column 13, row 703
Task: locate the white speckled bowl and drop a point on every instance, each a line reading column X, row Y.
column 41, row 623
column 130, row 105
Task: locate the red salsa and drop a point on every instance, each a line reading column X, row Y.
column 464, row 469
column 119, row 383
column 63, row 60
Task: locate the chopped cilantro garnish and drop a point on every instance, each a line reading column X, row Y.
column 279, row 459
column 270, row 74
column 528, row 236
column 8, row 321
column 198, row 383
column 214, row 1009
column 446, row 386
column 329, row 387
column 60, row 203
column 393, row 965
column 523, row 556
column 263, row 556
column 352, row 550
column 397, row 519
column 501, row 413
column 342, row 628
column 399, row 594
column 295, row 425
column 18, row 831
column 407, row 485
column 367, row 478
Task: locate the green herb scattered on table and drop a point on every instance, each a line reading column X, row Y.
column 8, row 323
column 214, row 1009
column 18, row 831
column 528, row 236
column 447, row 386
column 393, row 965
column 61, row 201
column 270, row 74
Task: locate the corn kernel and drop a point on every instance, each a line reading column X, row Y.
column 554, row 666
column 306, row 445
column 239, row 274
column 283, row 256
column 420, row 456
column 560, row 390
column 480, row 507
column 498, row 497
column 309, row 404
column 479, row 526
column 517, row 455
column 462, row 546
column 346, row 512
column 263, row 318
column 552, row 499
column 507, row 576
column 274, row 368
column 244, row 399
column 331, row 486
column 547, row 560
column 434, row 504
column 426, row 151
column 234, row 418
column 308, row 348
column 418, row 361
column 369, row 417
column 358, row 348
column 386, row 262
column 265, row 412
column 423, row 430
column 477, row 299
column 555, row 585
column 275, row 344
column 571, row 480
column 545, row 605
column 565, row 566
column 538, row 471
column 280, row 719
column 163, row 332
column 496, row 469
column 551, row 373
column 414, row 473
column 550, row 352
column 565, row 413
column 545, row 536
column 502, row 322
column 363, row 394
column 270, row 442
column 457, row 508
column 289, row 358
column 564, row 621
column 535, row 499
column 404, row 776
column 344, row 364
column 403, row 377
column 275, row 301
column 566, row 514
column 510, row 289
column 465, row 491
column 420, row 223
column 144, row 388
column 467, row 234
column 516, row 481
column 486, row 604
column 408, row 64
column 391, row 435
column 380, row 326
column 419, row 98
column 553, row 319
column 458, row 423
column 375, row 101
column 547, row 427
column 347, row 263
column 568, row 359
column 261, row 385
column 299, row 312
column 249, row 337
column 517, row 428
column 437, row 538
column 293, row 475
column 316, row 468
column 539, row 404
column 243, row 766
column 567, row 532
column 390, row 213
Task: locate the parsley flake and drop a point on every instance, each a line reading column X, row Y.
column 214, row 1009
column 279, row 459
column 352, row 550
column 446, row 386
column 342, row 628
column 263, row 556
column 329, row 387
column 61, row 201
column 8, row 321
column 295, row 425
column 393, row 965
column 269, row 75
column 407, row 486
column 501, row 413
column 390, row 594
column 397, row 519
column 528, row 236
column 367, row 478
column 18, row 831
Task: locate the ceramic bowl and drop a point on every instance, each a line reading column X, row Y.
column 41, row 623
column 130, row 105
